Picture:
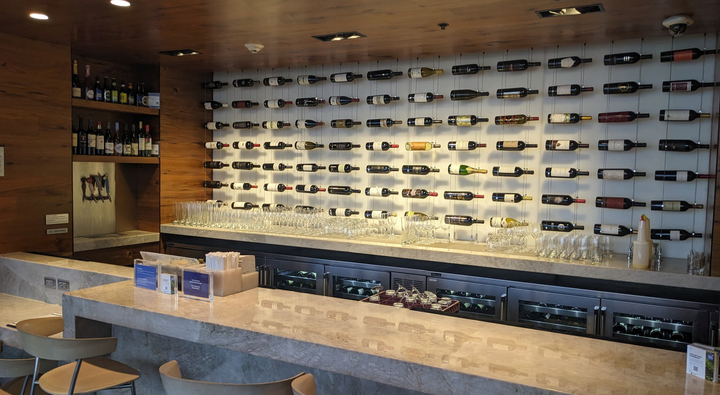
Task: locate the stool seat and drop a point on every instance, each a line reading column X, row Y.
column 95, row 374
column 14, row 387
column 304, row 385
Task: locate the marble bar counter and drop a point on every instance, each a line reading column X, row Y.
column 120, row 239
column 672, row 273
column 14, row 309
column 418, row 351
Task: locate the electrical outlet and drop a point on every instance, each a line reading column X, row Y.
column 50, row 282
column 63, row 285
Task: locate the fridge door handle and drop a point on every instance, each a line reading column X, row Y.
column 503, row 306
column 326, row 284
column 601, row 332
column 596, row 313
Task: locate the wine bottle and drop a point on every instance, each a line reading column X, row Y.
column 344, row 123
column 309, row 79
column 419, row 169
column 309, row 167
column 378, row 214
column 215, row 145
column 461, row 195
column 272, row 207
column 342, row 100
column 109, row 141
column 114, row 94
column 242, row 186
column 244, row 125
column 276, row 145
column 620, row 203
column 422, row 121
column 379, row 146
column 214, row 164
column 214, row 184
column 123, row 93
column 98, row 89
column 88, row 90
column 379, row 192
column 342, row 212
column 466, row 94
column 680, row 145
column 568, row 117
column 150, row 148
column 118, row 140
column 244, row 83
column 560, row 200
column 307, row 123
column 244, row 165
column 99, row 140
column 464, row 170
column 618, row 174
column 136, row 148
column 342, row 146
column 276, row 187
column 621, row 116
column 465, row 120
column 141, row 95
column 385, row 74
column 464, row 69
column 564, row 145
column 242, row 104
column 568, row 90
column 243, row 205
column 612, row 230
column 76, row 88
column 681, row 115
column 307, row 145
column 510, row 93
column 501, row 222
column 275, row 166
column 462, row 220
column 513, row 145
column 420, row 146
column 213, row 105
column 564, row 172
column 246, row 145
column 619, row 145
column 107, row 96
column 673, row 205
column 344, row 77
column 464, row 145
column 216, row 125
column 686, row 85
column 425, row 97
column 509, row 171
column 382, row 123
column 380, row 169
column 275, row 81
column 417, row 193
column 276, row 103
column 684, row 54
column 342, row 168
column 127, row 141
column 131, row 94
column 517, row 119
column 559, row 226
column 302, row 188
column 422, row 72
column 516, row 65
column 341, row 190
column 213, row 85
column 672, row 234
column 679, row 175
column 381, row 99
column 308, row 101
column 91, row 143
column 624, row 58
column 624, row 87
column 567, row 62
column 502, row 197
column 274, row 124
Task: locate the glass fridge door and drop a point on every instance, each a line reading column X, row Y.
column 296, row 276
column 356, row 284
column 557, row 312
column 477, row 301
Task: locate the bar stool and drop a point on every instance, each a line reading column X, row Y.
column 304, row 385
column 87, row 374
column 22, row 371
column 174, row 384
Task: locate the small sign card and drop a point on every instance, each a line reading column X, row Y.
column 198, row 284
column 146, row 274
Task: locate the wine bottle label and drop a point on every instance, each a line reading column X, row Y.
column 671, row 206
column 416, row 72
column 306, row 167
column 278, row 166
column 560, row 172
column 343, row 166
column 616, row 145
column 134, row 149
column 511, row 144
column 340, row 211
column 109, row 147
column 682, row 176
column 90, row 94
column 275, row 103
column 609, row 229
column 510, row 94
column 303, row 80
column 680, row 86
column 560, row 118
column 675, row 235
column 462, row 145
column 118, row 149
column 127, row 150
column 342, row 77
column 334, row 101
column 554, row 199
column 211, row 126
column 613, row 175
column 417, row 146
column 156, row 149
column 376, row 214
column 376, row 145
column 239, row 204
column 419, row 121
column 211, row 145
column 236, row 186
column 274, row 81
column 208, row 105
column 613, row 202
column 564, row 90
column 463, row 120
column 271, row 187
column 76, row 92
column 509, row 198
column 567, row 62
column 454, row 169
column 300, row 123
column 506, row 170
column 378, row 99
column 677, row 115
column 91, row 140
column 420, row 98
column 274, row 144
column 272, row 124
column 386, row 123
column 498, row 222
column 375, row 192
column 561, row 145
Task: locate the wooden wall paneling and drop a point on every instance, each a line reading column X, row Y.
column 123, row 256
column 126, row 197
column 148, row 197
column 35, row 81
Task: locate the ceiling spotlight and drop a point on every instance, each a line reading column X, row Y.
column 120, row 3
column 338, row 36
column 38, row 16
column 569, row 11
column 180, row 52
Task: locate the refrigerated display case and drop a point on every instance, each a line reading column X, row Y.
column 356, row 284
column 553, row 311
column 294, row 276
column 477, row 301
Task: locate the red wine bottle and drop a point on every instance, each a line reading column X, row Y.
column 619, row 145
column 621, row 116
column 464, row 69
column 673, row 205
column 342, row 168
column 425, row 97
column 503, row 197
column 620, row 203
column 567, row 62
column 509, row 93
column 686, row 85
column 618, row 174
column 308, row 101
column 385, row 74
column 342, row 100
column 275, row 124
column 624, row 87
column 342, row 212
column 464, row 145
column 307, row 145
column 379, row 100
column 379, row 146
column 344, row 77
column 244, row 186
column 516, row 65
column 380, row 169
column 564, row 172
column 681, row 115
column 344, row 123
column 213, row 105
column 679, row 175
column 465, row 120
column 244, row 165
column 568, row 90
column 560, row 200
column 567, row 117
column 244, row 125
column 215, row 145
column 510, row 171
column 212, row 85
column 624, row 58
column 275, row 81
column 308, row 123
column 342, row 146
column 276, row 103
column 461, row 195
column 214, row 184
column 244, row 83
column 243, row 104
column 246, row 145
column 417, row 193
column 466, row 94
column 517, row 119
column 276, row 166
column 76, row 87
column 302, row 188
column 276, row 145
column 559, row 226
column 462, row 220
column 309, row 79
column 419, row 169
column 564, row 145
column 680, row 145
column 309, row 167
column 382, row 123
column 612, row 230
column 422, row 121
column 513, row 145
column 341, row 190
column 672, row 234
column 276, row 187
column 684, row 54
column 243, row 205
column 379, row 192
column 216, row 125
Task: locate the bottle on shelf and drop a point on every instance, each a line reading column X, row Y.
column 512, row 93
column 466, row 94
column 118, row 140
column 308, row 101
column 141, row 96
column 215, row 164
column 214, row 184
column 131, row 94
column 107, row 96
column 276, row 187
column 214, row 105
column 379, row 192
column 420, row 146
column 307, row 145
column 612, row 230
column 135, row 142
column 384, row 74
column 560, row 200
column 418, row 169
column 216, row 125
column 679, row 175
column 564, row 172
column 425, row 97
column 244, row 145
column 273, row 125
column 214, row 85
column 465, row 120
column 276, row 166
column 567, row 117
column 379, row 145
column 624, row 87
column 684, row 54
column 681, row 115
column 471, row 68
column 464, row 145
column 91, row 142
column 422, row 121
column 342, row 168
column 342, row 212
column 151, row 149
column 344, row 77
column 215, row 145
column 341, row 190
column 559, row 226
column 686, row 85
column 510, row 171
column 99, row 140
column 114, row 94
column 276, row 103
column 80, row 139
column 109, row 141
column 502, row 197
column 382, row 123
column 342, row 100
column 88, row 90
column 98, row 90
column 379, row 100
column 344, row 123
column 673, row 205
column 422, row 72
column 243, row 205
column 618, row 174
column 276, row 145
column 516, row 65
column 75, row 137
column 624, row 58
column 564, row 145
column 244, row 165
column 513, row 145
column 380, row 169
column 464, row 170
column 517, row 119
column 276, row 81
column 680, row 145
column 620, row 116
column 308, row 123
column 243, row 104
column 244, row 83
column 501, row 222
column 568, row 90
column 309, row 167
column 461, row 220
column 244, row 125
column 672, row 234
column 303, row 188
column 242, row 186
column 76, row 87
column 619, row 145
column 309, row 79
column 378, row 214
column 567, row 62
column 417, row 193
column 272, row 206
column 342, row 146
column 461, row 195
column 619, row 203
column 123, row 93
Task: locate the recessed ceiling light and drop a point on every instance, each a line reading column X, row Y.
column 181, row 52
column 39, row 16
column 339, row 36
column 567, row 11
column 120, row 3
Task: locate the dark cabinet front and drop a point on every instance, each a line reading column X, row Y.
column 357, row 284
column 477, row 301
column 294, row 276
column 553, row 311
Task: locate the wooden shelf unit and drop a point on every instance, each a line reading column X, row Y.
column 113, row 107
column 153, row 160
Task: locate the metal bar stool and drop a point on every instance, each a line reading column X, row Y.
column 22, row 371
column 304, row 385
